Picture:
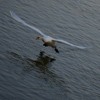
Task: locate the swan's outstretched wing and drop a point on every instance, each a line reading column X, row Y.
column 24, row 23
column 65, row 42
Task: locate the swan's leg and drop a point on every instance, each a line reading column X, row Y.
column 56, row 50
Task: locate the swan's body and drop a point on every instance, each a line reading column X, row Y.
column 47, row 40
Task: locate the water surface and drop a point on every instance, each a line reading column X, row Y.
column 29, row 71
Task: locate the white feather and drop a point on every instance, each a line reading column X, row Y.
column 65, row 42
column 24, row 23
column 45, row 37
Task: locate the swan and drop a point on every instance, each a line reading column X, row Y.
column 47, row 40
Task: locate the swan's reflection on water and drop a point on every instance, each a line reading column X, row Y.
column 43, row 61
column 39, row 66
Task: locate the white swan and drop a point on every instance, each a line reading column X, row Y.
column 47, row 40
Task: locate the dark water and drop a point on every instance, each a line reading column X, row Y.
column 29, row 71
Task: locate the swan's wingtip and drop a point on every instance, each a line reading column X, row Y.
column 85, row 47
column 82, row 47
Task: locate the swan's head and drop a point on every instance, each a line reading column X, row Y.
column 39, row 38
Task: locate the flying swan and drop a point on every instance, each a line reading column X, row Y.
column 47, row 40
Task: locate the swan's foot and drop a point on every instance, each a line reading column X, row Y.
column 56, row 50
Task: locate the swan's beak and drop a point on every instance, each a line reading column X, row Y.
column 37, row 38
